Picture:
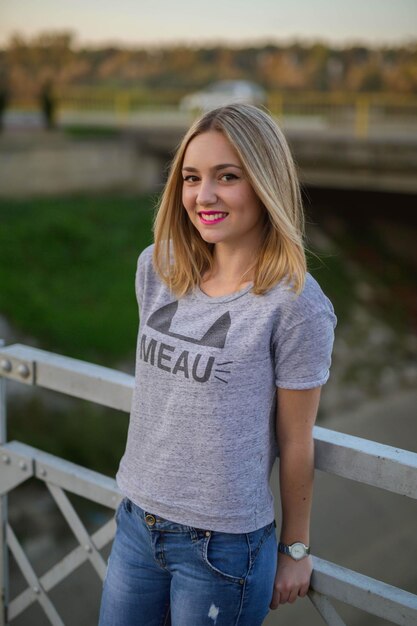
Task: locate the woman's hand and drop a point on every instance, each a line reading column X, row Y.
column 291, row 580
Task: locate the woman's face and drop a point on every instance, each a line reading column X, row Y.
column 218, row 198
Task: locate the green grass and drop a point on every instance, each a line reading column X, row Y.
column 333, row 277
column 67, row 268
column 91, row 132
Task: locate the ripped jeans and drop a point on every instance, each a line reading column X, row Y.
column 161, row 573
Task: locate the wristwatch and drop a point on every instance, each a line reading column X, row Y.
column 296, row 550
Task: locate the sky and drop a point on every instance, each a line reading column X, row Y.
column 134, row 22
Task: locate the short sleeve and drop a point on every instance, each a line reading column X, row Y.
column 302, row 353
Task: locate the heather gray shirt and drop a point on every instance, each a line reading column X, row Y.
column 202, row 442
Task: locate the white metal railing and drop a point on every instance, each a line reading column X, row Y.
column 335, row 453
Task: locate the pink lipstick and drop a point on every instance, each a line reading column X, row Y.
column 212, row 217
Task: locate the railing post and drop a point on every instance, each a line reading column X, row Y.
column 122, row 106
column 362, row 117
column 276, row 106
column 4, row 561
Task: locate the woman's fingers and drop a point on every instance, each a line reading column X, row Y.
column 292, row 580
column 288, row 595
column 281, row 596
column 276, row 598
column 293, row 595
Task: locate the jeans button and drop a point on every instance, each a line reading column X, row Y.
column 207, row 533
column 150, row 519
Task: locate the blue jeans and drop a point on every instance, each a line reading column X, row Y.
column 161, row 573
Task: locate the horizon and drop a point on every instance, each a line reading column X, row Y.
column 258, row 42
column 98, row 23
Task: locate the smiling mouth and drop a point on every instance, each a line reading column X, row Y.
column 212, row 217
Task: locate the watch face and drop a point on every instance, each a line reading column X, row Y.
column 298, row 551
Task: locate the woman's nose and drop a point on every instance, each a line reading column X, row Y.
column 206, row 193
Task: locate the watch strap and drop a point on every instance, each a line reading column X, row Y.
column 284, row 548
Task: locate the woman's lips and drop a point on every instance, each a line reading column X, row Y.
column 212, row 217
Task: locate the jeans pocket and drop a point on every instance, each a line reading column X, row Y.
column 257, row 538
column 227, row 555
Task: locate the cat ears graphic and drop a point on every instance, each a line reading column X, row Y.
column 215, row 337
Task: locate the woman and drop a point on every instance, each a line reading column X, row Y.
column 234, row 345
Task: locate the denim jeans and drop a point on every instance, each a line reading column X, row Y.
column 161, row 573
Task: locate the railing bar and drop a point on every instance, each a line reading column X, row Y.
column 70, row 476
column 368, row 447
column 365, row 593
column 351, row 457
column 366, row 461
column 4, row 560
column 78, row 529
column 101, row 538
column 111, row 387
column 4, row 563
column 326, row 609
column 74, row 377
column 344, row 455
column 32, row 578
column 61, row 570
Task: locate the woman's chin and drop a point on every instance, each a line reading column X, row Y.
column 211, row 237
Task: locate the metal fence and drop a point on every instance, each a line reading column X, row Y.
column 358, row 113
column 343, row 455
column 355, row 113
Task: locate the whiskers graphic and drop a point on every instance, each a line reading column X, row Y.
column 222, row 371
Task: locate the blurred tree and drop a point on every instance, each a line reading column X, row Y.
column 318, row 65
column 372, row 79
column 53, row 56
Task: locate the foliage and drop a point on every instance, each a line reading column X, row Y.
column 67, row 269
column 27, row 63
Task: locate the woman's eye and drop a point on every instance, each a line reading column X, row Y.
column 229, row 177
column 190, row 178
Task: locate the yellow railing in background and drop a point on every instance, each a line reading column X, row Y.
column 356, row 110
column 346, row 110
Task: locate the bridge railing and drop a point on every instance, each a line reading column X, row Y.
column 343, row 455
column 355, row 113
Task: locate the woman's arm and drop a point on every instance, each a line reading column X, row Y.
column 296, row 414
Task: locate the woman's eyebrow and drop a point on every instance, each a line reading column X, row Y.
column 221, row 166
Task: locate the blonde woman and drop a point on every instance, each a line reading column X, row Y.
column 234, row 344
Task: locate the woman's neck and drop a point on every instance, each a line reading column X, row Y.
column 232, row 268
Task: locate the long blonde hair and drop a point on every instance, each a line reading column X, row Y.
column 182, row 257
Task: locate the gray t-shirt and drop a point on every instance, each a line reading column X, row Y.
column 202, row 442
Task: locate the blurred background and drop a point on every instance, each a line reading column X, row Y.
column 94, row 98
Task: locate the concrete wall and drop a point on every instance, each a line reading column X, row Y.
column 40, row 164
column 374, row 163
